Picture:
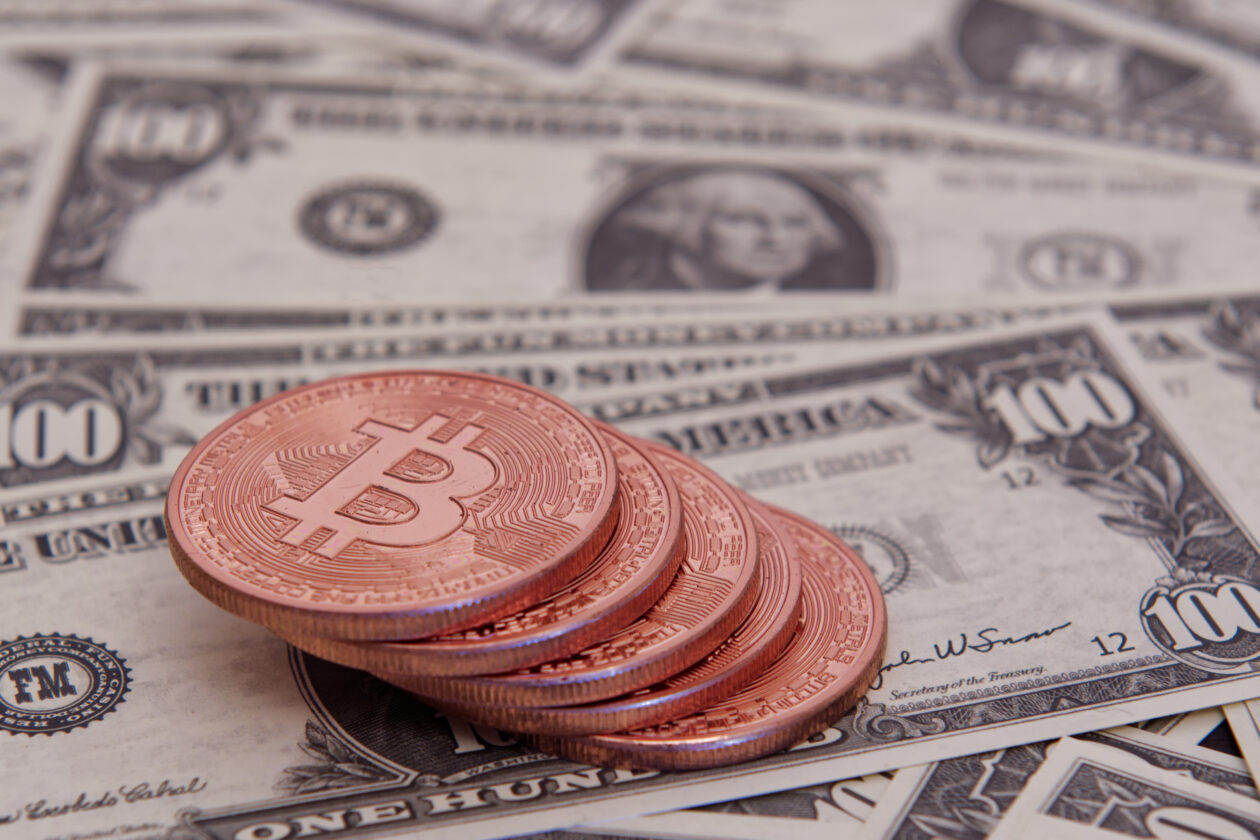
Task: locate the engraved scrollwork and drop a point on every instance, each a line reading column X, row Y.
column 1157, row 506
column 873, row 721
column 336, row 765
column 955, row 394
column 1239, row 335
column 138, row 393
column 107, row 412
column 1119, row 460
column 146, row 137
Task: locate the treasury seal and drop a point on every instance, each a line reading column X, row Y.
column 366, row 218
column 53, row 683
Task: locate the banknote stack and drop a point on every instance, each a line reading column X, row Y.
column 967, row 286
column 489, row 549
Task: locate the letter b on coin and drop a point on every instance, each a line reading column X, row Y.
column 402, row 490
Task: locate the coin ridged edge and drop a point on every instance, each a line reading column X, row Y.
column 570, row 690
column 399, row 625
column 620, row 750
column 352, row 654
column 645, row 707
column 699, row 756
column 588, row 689
column 440, row 657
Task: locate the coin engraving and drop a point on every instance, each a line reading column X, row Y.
column 639, row 562
column 547, row 483
column 402, row 490
column 831, row 660
column 714, row 590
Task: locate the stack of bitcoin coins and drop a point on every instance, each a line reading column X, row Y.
column 483, row 545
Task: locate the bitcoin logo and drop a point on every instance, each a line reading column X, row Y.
column 402, row 490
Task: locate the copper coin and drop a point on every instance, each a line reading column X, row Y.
column 631, row 573
column 392, row 505
column 712, row 593
column 735, row 663
column 828, row 665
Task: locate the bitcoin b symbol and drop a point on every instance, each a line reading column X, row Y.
column 402, row 490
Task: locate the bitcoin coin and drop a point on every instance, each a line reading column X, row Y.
column 631, row 573
column 392, row 505
column 735, row 662
column 830, row 662
column 712, row 593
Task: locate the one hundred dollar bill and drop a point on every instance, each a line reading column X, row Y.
column 957, row 798
column 1187, row 728
column 1244, row 721
column 1045, row 72
column 125, row 402
column 1205, row 352
column 1091, row 790
column 499, row 200
column 821, row 323
column 226, row 733
column 564, row 37
column 821, row 811
column 25, row 24
column 140, row 710
column 525, row 193
column 956, row 473
column 969, row 796
column 89, row 417
column 28, row 95
column 1233, row 24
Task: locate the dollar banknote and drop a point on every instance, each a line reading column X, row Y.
column 1232, row 24
column 1091, row 790
column 1045, row 72
column 353, row 210
column 29, row 97
column 819, row 329
column 88, row 417
column 1204, row 351
column 126, row 404
column 521, row 194
column 564, row 37
column 820, row 811
column 28, row 25
column 1196, row 727
column 303, row 745
column 959, row 798
column 968, row 797
column 933, row 466
column 1244, row 720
